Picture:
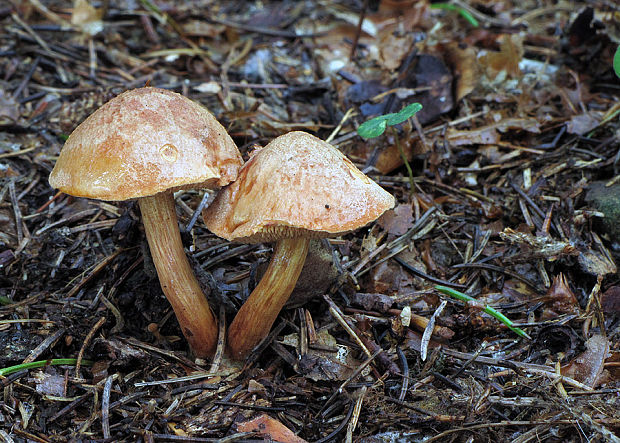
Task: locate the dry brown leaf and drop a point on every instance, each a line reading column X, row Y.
column 610, row 300
column 507, row 59
column 87, row 17
column 393, row 49
column 326, row 360
column 485, row 135
column 9, row 108
column 523, row 124
column 588, row 366
column 373, row 302
column 540, row 246
column 49, row 384
column 269, row 428
column 413, row 341
column 200, row 28
column 595, row 263
column 560, row 299
column 583, row 123
column 465, row 65
column 398, row 220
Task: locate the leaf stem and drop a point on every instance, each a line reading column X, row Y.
column 404, row 157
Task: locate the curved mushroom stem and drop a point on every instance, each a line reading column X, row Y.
column 255, row 318
column 175, row 274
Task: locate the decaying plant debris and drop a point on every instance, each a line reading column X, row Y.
column 514, row 202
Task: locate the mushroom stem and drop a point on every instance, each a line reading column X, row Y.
column 175, row 274
column 255, row 318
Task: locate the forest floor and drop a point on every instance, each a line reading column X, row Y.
column 512, row 199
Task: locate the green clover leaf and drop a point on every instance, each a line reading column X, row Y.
column 376, row 126
column 404, row 114
column 373, row 127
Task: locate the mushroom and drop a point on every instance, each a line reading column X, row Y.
column 145, row 144
column 296, row 188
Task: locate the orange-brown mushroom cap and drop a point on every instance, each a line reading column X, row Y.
column 143, row 142
column 297, row 185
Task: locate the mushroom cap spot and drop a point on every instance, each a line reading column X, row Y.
column 142, row 142
column 296, row 186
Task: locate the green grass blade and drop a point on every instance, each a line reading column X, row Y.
column 39, row 364
column 489, row 310
column 463, row 12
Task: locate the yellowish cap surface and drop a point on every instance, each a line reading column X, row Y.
column 298, row 185
column 143, row 142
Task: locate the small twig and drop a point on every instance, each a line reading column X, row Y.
column 42, row 347
column 344, row 384
column 339, row 317
column 425, row 276
column 405, row 386
column 105, row 407
column 87, row 340
column 169, row 354
column 358, row 31
column 498, row 269
column 254, row 407
column 265, row 31
column 49, row 202
column 120, row 321
column 428, row 331
column 404, row 157
column 16, row 212
column 96, row 270
column 367, row 345
column 198, row 211
column 70, row 407
column 221, row 341
column 356, row 414
column 27, row 77
column 332, row 435
column 257, row 351
column 74, row 217
column 303, row 333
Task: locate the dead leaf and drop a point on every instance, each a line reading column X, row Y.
column 86, row 17
column 595, row 263
column 610, row 300
column 523, row 124
column 373, row 302
column 588, row 366
column 482, row 136
column 466, row 68
column 9, row 108
column 583, row 123
column 398, row 220
column 326, row 360
column 177, row 429
column 255, row 387
column 413, row 341
column 560, row 299
column 393, row 49
column 200, row 28
column 269, row 428
column 507, row 59
column 49, row 384
column 540, row 246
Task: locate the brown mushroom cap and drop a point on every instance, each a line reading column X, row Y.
column 297, row 185
column 142, row 142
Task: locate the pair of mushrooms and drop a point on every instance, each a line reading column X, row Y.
column 148, row 142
